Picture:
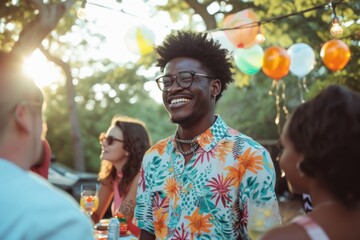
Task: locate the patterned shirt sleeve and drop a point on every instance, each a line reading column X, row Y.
column 143, row 210
column 259, row 183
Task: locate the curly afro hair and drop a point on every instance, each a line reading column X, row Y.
column 201, row 47
column 326, row 130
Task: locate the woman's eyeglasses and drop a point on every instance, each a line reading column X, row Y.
column 109, row 139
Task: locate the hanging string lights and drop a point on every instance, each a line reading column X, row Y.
column 242, row 35
column 260, row 38
column 81, row 12
column 335, row 30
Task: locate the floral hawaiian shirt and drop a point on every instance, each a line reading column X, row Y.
column 206, row 198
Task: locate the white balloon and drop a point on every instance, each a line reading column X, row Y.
column 302, row 58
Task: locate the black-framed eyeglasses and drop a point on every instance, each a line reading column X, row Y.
column 109, row 139
column 183, row 79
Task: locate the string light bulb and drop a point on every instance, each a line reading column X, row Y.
column 259, row 38
column 81, row 13
column 335, row 30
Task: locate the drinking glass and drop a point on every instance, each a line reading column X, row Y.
column 89, row 199
column 262, row 217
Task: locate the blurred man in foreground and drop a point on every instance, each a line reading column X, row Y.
column 30, row 208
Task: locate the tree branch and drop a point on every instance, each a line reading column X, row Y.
column 46, row 20
column 200, row 9
column 76, row 139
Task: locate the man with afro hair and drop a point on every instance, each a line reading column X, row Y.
column 197, row 183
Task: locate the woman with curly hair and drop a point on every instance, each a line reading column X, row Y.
column 123, row 147
column 321, row 157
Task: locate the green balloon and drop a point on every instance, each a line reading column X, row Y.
column 249, row 60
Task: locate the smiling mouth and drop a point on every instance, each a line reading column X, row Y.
column 178, row 101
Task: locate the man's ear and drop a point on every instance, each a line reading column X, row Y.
column 21, row 116
column 215, row 87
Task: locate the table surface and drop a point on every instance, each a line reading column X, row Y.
column 103, row 235
column 128, row 238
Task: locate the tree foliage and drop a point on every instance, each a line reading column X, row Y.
column 247, row 105
column 101, row 96
column 104, row 88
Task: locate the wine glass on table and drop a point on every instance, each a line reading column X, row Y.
column 262, row 217
column 89, row 199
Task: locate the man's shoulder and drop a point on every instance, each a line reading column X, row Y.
column 239, row 136
column 163, row 141
column 43, row 187
column 33, row 189
column 33, row 202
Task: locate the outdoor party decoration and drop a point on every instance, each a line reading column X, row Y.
column 223, row 40
column 246, row 20
column 335, row 30
column 276, row 65
column 302, row 58
column 241, row 33
column 260, row 38
column 249, row 60
column 335, row 54
column 140, row 39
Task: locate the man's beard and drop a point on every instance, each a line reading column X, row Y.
column 183, row 122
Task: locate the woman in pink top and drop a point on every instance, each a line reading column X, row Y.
column 123, row 147
column 321, row 157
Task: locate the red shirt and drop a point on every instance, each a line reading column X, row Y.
column 43, row 169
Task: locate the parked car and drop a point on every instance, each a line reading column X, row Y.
column 68, row 179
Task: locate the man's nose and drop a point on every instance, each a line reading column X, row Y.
column 174, row 85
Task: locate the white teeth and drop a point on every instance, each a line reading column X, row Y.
column 179, row 100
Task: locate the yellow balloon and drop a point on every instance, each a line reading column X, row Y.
column 140, row 39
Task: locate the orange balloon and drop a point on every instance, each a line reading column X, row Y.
column 276, row 63
column 242, row 37
column 335, row 54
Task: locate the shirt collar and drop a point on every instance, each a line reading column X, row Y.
column 210, row 138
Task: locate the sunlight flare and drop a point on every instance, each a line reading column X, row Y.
column 43, row 72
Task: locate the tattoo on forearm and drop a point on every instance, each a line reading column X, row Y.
column 127, row 208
